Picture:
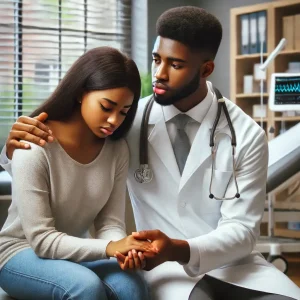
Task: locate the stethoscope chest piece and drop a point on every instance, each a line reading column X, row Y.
column 143, row 174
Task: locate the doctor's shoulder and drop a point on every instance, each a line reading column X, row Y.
column 243, row 122
column 249, row 134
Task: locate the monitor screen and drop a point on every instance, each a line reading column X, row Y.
column 285, row 92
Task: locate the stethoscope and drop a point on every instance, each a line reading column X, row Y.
column 145, row 175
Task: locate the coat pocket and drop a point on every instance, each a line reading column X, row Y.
column 220, row 182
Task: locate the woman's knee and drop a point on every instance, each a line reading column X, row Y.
column 129, row 285
column 121, row 285
column 88, row 286
column 76, row 286
column 44, row 278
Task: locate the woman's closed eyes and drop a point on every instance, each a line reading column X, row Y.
column 107, row 109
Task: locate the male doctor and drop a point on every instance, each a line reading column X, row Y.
column 205, row 246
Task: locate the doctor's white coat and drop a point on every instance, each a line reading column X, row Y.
column 222, row 234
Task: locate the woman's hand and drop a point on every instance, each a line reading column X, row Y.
column 134, row 260
column 28, row 129
column 127, row 244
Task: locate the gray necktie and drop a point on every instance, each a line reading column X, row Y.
column 181, row 144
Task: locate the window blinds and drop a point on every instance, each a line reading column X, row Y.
column 40, row 39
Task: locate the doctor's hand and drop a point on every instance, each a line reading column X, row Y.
column 165, row 248
column 28, row 129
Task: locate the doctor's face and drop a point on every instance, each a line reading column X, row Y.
column 176, row 71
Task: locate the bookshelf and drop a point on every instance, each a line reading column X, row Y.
column 243, row 64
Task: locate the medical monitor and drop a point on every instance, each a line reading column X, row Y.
column 285, row 92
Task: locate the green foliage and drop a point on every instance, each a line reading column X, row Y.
column 52, row 10
column 146, row 85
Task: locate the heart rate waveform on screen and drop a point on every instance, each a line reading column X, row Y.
column 286, row 91
column 288, row 88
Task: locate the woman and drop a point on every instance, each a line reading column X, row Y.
column 68, row 198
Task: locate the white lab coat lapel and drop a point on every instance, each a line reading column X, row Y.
column 200, row 149
column 160, row 142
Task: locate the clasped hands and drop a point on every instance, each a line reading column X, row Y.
column 142, row 250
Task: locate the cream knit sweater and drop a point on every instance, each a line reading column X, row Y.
column 63, row 209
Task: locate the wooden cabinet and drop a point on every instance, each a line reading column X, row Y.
column 241, row 65
column 278, row 15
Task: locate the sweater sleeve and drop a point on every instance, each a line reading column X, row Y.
column 31, row 193
column 110, row 222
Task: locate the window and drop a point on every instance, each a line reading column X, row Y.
column 40, row 39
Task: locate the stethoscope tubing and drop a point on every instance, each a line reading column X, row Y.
column 144, row 174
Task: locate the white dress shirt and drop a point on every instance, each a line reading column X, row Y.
column 196, row 114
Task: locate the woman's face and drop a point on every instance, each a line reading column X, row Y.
column 104, row 111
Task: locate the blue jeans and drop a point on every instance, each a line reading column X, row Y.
column 26, row 276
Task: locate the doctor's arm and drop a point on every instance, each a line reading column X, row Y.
column 238, row 228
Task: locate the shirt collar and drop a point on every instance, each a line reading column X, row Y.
column 197, row 113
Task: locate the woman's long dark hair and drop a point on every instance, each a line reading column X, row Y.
column 100, row 68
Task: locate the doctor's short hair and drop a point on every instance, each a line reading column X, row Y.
column 193, row 27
